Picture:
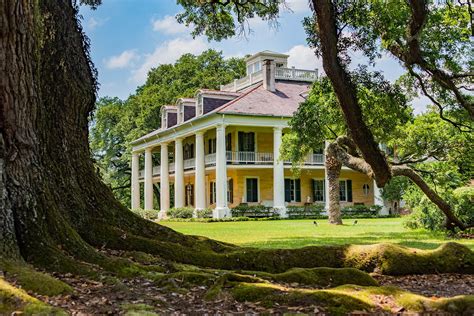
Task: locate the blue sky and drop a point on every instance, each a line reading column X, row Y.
column 129, row 37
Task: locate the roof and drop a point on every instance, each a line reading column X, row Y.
column 256, row 100
column 219, row 92
column 259, row 101
column 169, row 107
column 185, row 100
column 267, row 52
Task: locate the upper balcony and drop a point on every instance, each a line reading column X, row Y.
column 240, row 158
column 280, row 74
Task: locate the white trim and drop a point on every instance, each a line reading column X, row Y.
column 258, row 188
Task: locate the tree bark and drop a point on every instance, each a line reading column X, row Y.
column 333, row 170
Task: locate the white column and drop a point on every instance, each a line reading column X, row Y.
column 148, row 179
column 278, row 174
column 378, row 199
column 200, row 185
column 178, row 174
column 164, row 182
column 221, row 209
column 326, row 181
column 135, row 181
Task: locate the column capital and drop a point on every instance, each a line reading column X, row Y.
column 221, row 126
column 178, row 139
column 199, row 133
column 278, row 128
column 149, row 149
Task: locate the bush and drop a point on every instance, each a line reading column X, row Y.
column 244, row 210
column 204, row 213
column 426, row 214
column 146, row 214
column 360, row 211
column 308, row 211
column 181, row 212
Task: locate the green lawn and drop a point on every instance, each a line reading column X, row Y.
column 300, row 233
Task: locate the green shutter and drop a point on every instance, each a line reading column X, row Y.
column 349, row 190
column 297, row 190
column 287, row 190
column 231, row 191
column 241, row 141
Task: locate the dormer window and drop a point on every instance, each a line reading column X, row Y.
column 180, row 113
column 200, row 102
column 254, row 67
column 164, row 120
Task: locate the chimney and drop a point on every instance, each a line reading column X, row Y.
column 269, row 74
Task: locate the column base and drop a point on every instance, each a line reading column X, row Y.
column 281, row 211
column 162, row 215
column 221, row 212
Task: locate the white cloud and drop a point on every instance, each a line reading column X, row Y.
column 303, row 57
column 168, row 52
column 125, row 59
column 93, row 23
column 298, row 6
column 169, row 25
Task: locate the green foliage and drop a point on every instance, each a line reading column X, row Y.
column 181, row 212
column 117, row 122
column 320, row 118
column 244, row 210
column 223, row 19
column 204, row 213
column 395, row 188
column 146, row 214
column 360, row 211
column 308, row 211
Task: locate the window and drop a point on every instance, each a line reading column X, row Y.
column 212, row 145
column 345, row 190
column 200, row 103
column 292, row 190
column 212, row 192
column 189, row 198
column 247, row 141
column 319, row 190
column 279, row 65
column 251, row 190
column 230, row 191
column 366, row 189
column 188, row 151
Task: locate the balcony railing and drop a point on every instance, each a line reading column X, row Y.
column 239, row 158
column 280, row 73
column 245, row 157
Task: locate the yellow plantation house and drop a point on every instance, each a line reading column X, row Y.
column 221, row 148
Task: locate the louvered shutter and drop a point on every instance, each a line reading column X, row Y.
column 349, row 190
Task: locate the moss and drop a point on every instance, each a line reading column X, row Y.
column 269, row 294
column 397, row 260
column 138, row 310
column 32, row 280
column 14, row 300
column 320, row 277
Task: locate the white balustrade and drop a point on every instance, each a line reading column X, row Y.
column 189, row 163
column 210, row 159
column 280, row 73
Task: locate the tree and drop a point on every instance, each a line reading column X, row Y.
column 117, row 123
column 406, row 30
column 320, row 118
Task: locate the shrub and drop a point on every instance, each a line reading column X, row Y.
column 307, row 211
column 426, row 214
column 360, row 211
column 146, row 214
column 244, row 210
column 181, row 212
column 204, row 213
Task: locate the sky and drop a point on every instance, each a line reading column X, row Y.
column 129, row 37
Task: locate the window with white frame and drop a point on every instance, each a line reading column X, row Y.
column 319, row 190
column 345, row 190
column 211, row 146
column 212, row 192
column 366, row 189
column 200, row 105
column 292, row 190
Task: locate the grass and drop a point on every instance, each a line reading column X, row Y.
column 300, row 233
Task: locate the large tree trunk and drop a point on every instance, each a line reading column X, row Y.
column 54, row 204
column 333, row 170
